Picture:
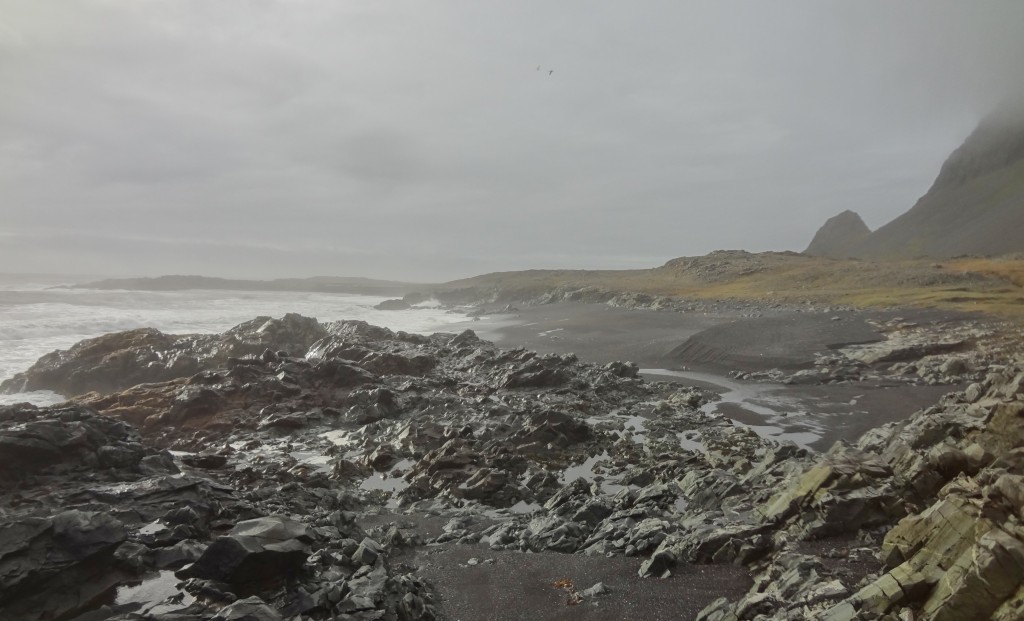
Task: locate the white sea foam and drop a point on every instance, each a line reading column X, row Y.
column 35, row 320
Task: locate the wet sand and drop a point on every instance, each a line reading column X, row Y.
column 595, row 332
column 517, row 586
column 711, row 345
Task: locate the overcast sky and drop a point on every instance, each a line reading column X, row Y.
column 418, row 140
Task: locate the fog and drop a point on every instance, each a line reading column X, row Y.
column 434, row 140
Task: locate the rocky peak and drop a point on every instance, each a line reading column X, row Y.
column 839, row 236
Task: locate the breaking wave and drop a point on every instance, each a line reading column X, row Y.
column 35, row 321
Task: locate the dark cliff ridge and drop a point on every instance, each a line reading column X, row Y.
column 839, row 237
column 974, row 207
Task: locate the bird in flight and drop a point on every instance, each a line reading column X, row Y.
column 551, row 71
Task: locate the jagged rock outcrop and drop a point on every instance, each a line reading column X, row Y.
column 50, row 566
column 839, row 237
column 123, row 359
column 943, row 491
column 34, row 441
column 132, row 523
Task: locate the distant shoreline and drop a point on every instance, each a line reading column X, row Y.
column 317, row 284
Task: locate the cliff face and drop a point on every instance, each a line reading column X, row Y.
column 839, row 237
column 975, row 206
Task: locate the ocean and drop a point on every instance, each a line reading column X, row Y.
column 37, row 316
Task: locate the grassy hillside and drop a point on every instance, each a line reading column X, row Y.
column 990, row 285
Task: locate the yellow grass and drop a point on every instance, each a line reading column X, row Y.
column 1010, row 270
column 993, row 286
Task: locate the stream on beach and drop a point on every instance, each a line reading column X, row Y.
column 783, row 416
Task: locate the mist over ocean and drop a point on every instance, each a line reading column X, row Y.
column 36, row 318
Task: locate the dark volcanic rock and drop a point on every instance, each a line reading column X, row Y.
column 106, row 363
column 34, row 440
column 553, row 428
column 52, row 566
column 542, row 372
column 387, row 363
column 255, row 553
column 117, row 361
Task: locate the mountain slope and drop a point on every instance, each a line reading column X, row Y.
column 975, row 206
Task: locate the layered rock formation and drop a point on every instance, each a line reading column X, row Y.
column 941, row 492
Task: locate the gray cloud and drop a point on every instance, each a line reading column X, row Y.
column 418, row 140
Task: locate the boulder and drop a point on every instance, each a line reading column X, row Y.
column 555, row 534
column 368, row 552
column 254, row 554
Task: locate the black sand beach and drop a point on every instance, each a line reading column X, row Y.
column 710, row 346
column 515, row 586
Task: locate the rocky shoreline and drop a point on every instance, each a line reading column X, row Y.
column 290, row 469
